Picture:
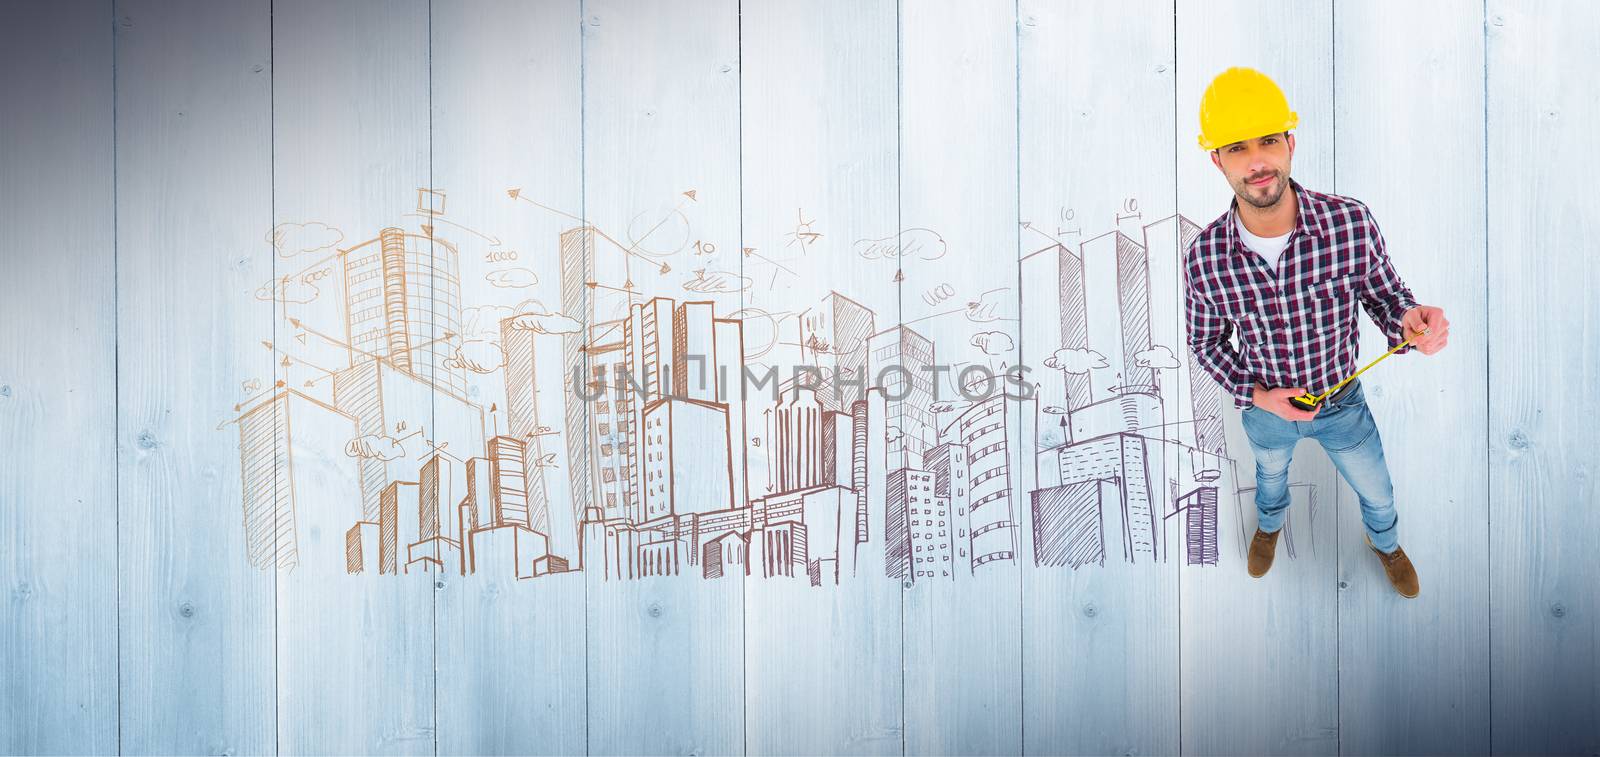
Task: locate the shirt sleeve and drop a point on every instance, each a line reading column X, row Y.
column 1208, row 337
column 1384, row 296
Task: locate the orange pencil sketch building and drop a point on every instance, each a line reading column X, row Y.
column 681, row 448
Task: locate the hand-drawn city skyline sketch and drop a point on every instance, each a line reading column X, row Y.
column 741, row 426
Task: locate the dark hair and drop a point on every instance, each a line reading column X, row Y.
column 1286, row 133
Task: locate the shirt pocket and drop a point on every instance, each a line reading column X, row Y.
column 1334, row 298
column 1340, row 287
column 1245, row 310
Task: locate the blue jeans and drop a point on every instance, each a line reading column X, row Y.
column 1345, row 429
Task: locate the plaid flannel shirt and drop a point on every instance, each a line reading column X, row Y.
column 1297, row 326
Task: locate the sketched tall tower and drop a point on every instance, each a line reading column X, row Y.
column 522, row 413
column 903, row 360
column 1053, row 318
column 674, row 352
column 402, row 295
column 577, row 302
column 833, row 335
column 1116, row 275
column 1191, row 393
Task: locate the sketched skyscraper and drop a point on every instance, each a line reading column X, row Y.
column 1116, row 276
column 1166, row 239
column 986, row 431
column 833, row 336
column 610, row 483
column 577, row 302
column 903, row 362
column 1100, row 499
column 1053, row 319
column 1199, row 508
column 522, row 413
column 299, row 495
column 402, row 295
column 671, row 356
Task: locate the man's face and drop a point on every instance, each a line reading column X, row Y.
column 1257, row 169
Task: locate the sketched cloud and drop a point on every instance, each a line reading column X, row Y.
column 287, row 289
column 986, row 307
column 483, row 321
column 478, row 356
column 707, row 281
column 512, row 278
column 993, row 342
column 374, row 447
column 919, row 243
column 546, row 323
column 1075, row 360
column 291, row 239
column 1156, row 357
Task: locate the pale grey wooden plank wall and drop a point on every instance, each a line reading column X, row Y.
column 820, row 140
column 1541, row 334
column 1421, row 190
column 1100, row 649
column 506, row 114
column 148, row 146
column 58, row 369
column 196, row 623
column 660, row 118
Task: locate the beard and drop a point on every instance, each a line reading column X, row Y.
column 1262, row 197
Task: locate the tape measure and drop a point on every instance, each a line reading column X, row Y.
column 1309, row 401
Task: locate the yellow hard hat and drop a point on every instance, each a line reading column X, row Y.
column 1242, row 103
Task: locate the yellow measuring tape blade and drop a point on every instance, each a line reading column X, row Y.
column 1391, row 351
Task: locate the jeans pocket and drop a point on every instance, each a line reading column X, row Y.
column 1346, row 428
column 1249, row 412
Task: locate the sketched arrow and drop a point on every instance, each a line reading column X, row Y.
column 631, row 249
column 299, row 325
column 1029, row 226
column 295, row 358
column 428, row 229
column 934, row 315
column 751, row 253
column 598, row 285
column 448, row 335
column 276, row 385
column 516, row 194
column 768, row 415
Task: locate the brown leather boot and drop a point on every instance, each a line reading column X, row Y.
column 1401, row 573
column 1262, row 546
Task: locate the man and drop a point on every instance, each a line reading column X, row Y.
column 1285, row 267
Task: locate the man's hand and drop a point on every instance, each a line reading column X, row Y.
column 1426, row 318
column 1276, row 401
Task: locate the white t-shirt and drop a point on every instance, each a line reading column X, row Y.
column 1269, row 248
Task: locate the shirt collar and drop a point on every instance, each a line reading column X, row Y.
column 1309, row 220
